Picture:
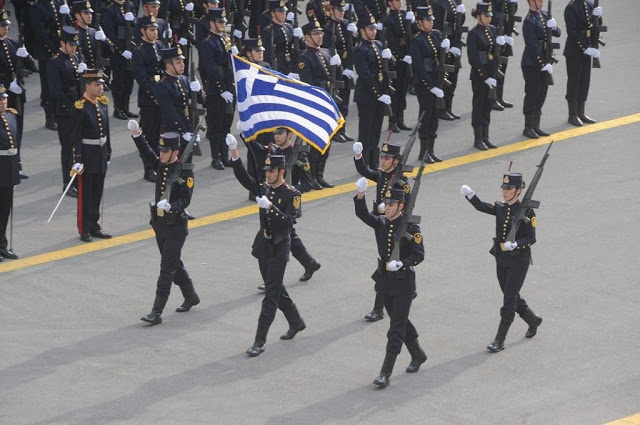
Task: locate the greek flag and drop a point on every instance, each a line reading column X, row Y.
column 268, row 100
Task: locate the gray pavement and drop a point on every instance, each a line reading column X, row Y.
column 72, row 350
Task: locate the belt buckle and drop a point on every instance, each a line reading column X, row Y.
column 490, row 56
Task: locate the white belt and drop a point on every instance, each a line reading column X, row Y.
column 101, row 141
column 9, row 152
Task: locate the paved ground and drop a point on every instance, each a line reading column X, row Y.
column 73, row 351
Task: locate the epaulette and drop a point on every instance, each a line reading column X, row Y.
column 80, row 103
column 103, row 99
column 13, row 111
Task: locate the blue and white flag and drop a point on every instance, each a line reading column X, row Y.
column 268, row 100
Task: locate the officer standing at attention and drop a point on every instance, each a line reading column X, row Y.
column 480, row 50
column 535, row 68
column 395, row 279
column 9, row 169
column 512, row 257
column 168, row 220
column 91, row 141
column 279, row 207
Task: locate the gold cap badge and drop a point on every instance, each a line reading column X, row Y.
column 506, row 179
column 388, row 194
column 385, row 148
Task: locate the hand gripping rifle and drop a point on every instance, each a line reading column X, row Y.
column 443, row 68
column 458, row 30
column 101, row 61
column 550, row 46
column 527, row 202
column 272, row 50
column 497, row 59
column 387, row 75
column 129, row 44
column 594, row 34
column 298, row 147
column 334, row 83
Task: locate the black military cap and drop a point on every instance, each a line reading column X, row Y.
column 148, row 22
column 169, row 141
column 366, row 22
column 217, row 14
column 273, row 162
column 4, row 17
column 278, row 5
column 485, row 8
column 81, row 6
column 172, row 53
column 424, row 12
column 390, row 150
column 69, row 35
column 253, row 44
column 311, row 26
column 93, row 75
column 153, row 2
column 3, row 92
column 393, row 195
column 512, row 180
column 338, row 4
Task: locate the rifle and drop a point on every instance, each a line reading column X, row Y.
column 298, row 147
column 334, row 83
column 194, row 111
column 458, row 30
column 101, row 62
column 443, row 68
column 594, row 34
column 272, row 50
column 21, row 70
column 387, row 75
column 129, row 44
column 510, row 14
column 402, row 165
column 348, row 45
column 549, row 46
column 408, row 32
column 527, row 202
column 166, row 40
column 497, row 58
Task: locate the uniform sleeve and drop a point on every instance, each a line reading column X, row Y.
column 482, row 206
column 141, row 75
column 368, row 78
column 304, row 70
column 532, row 46
column 417, row 55
column 365, row 171
column 526, row 235
column 416, row 248
column 185, row 190
column 145, row 149
column 571, row 22
column 243, row 177
column 363, row 213
column 210, row 67
column 76, row 120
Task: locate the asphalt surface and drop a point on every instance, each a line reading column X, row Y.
column 73, row 351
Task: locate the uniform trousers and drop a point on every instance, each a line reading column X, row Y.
column 370, row 124
column 345, row 94
column 45, row 97
column 535, row 90
column 449, row 92
column 578, row 77
column 170, row 239
column 511, row 278
column 427, row 102
column 219, row 120
column 275, row 295
column 66, row 152
column 481, row 112
column 401, row 84
column 6, row 200
column 122, row 81
column 150, row 126
column 400, row 328
column 90, row 188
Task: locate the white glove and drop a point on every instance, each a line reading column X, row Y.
column 491, row 82
column 293, row 76
column 590, row 51
column 231, row 142
column 445, row 43
column 347, row 6
column 22, row 52
column 188, row 7
column 237, row 33
column 82, row 67
column 379, row 26
column 263, row 202
column 394, row 266
column 297, row 32
column 362, row 184
column 455, row 51
column 410, row 17
column 77, row 168
column 500, row 40
column 551, row 23
column 357, row 148
column 290, row 17
column 385, row 98
column 548, row 67
column 335, row 60
column 508, row 40
column 64, row 9
column 386, row 54
column 234, row 50
column 228, row 97
column 183, row 41
column 129, row 17
column 466, row 191
column 461, row 9
column 14, row 87
column 126, row 54
column 195, row 85
column 408, row 59
column 163, row 204
column 381, row 207
column 100, row 35
column 187, row 136
column 348, row 73
column 597, row 11
column 510, row 246
column 437, row 91
column 352, row 27
column 168, row 33
column 132, row 125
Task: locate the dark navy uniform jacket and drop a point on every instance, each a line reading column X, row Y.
column 480, row 48
column 315, row 10
column 384, row 179
column 44, row 24
column 113, row 24
column 448, row 6
column 8, row 64
column 341, row 38
column 397, row 35
column 313, row 67
column 146, row 62
column 87, row 47
column 371, row 82
column 534, row 32
column 215, row 65
column 501, row 7
column 90, row 122
column 173, row 99
column 64, row 82
column 377, row 8
column 425, row 55
column 284, row 46
column 9, row 139
column 579, row 22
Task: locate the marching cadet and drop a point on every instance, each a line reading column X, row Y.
column 313, row 69
column 145, row 61
column 535, row 66
column 217, row 73
column 91, row 141
column 480, row 42
column 64, row 90
column 425, row 56
column 398, row 24
column 385, row 177
column 316, row 10
column 395, row 279
column 152, row 8
column 281, row 34
column 454, row 11
column 279, row 207
column 512, row 258
column 89, row 37
column 370, row 96
column 504, row 10
column 118, row 21
column 581, row 19
column 345, row 32
column 9, row 169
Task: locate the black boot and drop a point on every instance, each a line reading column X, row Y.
column 418, row 356
column 485, row 138
column 258, row 343
column 190, row 297
column 345, row 136
column 448, row 101
column 320, row 174
column 533, row 321
column 393, row 126
column 296, row 324
column 477, row 139
column 432, row 155
column 313, row 172
column 125, row 107
column 154, row 317
column 444, row 115
column 338, row 138
column 528, row 131
column 50, row 122
column 310, row 265
column 498, row 342
column 573, row 113
column 496, row 106
column 501, row 101
column 118, row 111
column 582, row 116
column 424, row 147
column 382, row 380
column 378, row 310
column 400, row 121
column 374, row 159
column 536, row 126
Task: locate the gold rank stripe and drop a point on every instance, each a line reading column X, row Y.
column 629, row 420
column 48, row 257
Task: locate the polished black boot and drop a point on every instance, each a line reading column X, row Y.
column 313, row 172
column 573, row 113
column 477, row 139
column 485, row 138
column 444, row 115
column 533, row 321
column 258, row 343
column 418, row 356
column 498, row 342
column 528, row 127
column 496, row 106
column 296, row 324
column 310, row 265
column 536, row 126
column 501, row 101
column 320, row 174
column 338, row 138
column 424, row 147
column 374, row 159
column 382, row 380
column 50, row 122
column 430, row 152
column 190, row 297
column 378, row 310
column 400, row 121
column 158, row 305
column 393, row 126
column 448, row 101
column 583, row 117
column 125, row 107
column 345, row 136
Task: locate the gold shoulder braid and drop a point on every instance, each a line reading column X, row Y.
column 13, row 111
column 103, row 99
column 80, row 103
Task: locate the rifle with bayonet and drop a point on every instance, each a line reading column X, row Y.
column 334, row 82
column 272, row 50
column 298, row 148
column 594, row 34
column 402, row 166
column 443, row 69
column 129, row 44
column 496, row 59
column 387, row 74
column 549, row 45
column 527, row 201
